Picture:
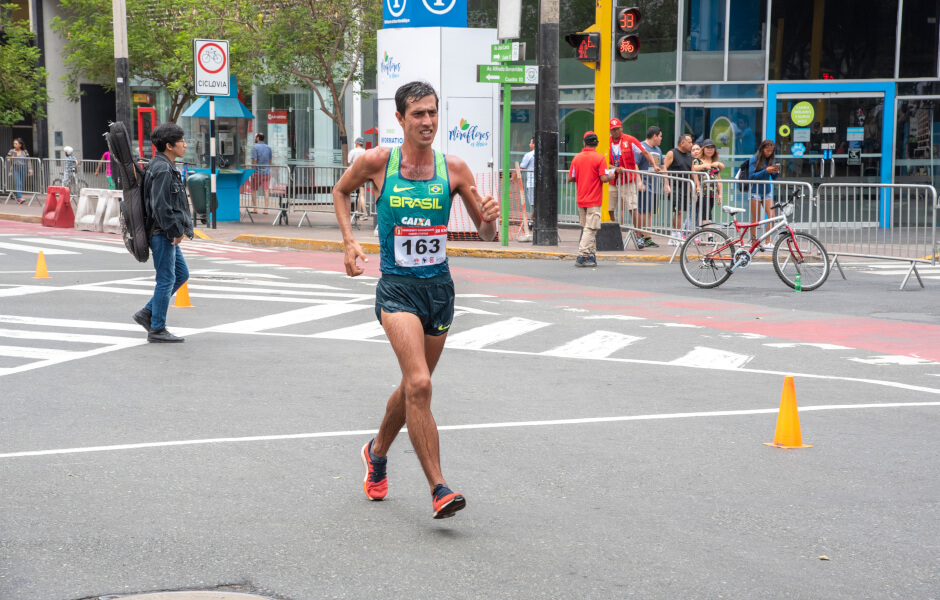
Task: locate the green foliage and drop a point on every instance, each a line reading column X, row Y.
column 160, row 36
column 22, row 82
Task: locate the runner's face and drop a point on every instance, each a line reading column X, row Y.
column 420, row 121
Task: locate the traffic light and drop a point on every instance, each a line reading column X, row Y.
column 626, row 40
column 588, row 46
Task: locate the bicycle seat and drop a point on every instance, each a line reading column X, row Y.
column 732, row 210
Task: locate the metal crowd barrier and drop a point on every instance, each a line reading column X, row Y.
column 664, row 208
column 879, row 221
column 312, row 189
column 88, row 174
column 24, row 176
column 268, row 191
column 733, row 192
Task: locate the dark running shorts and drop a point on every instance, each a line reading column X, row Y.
column 431, row 300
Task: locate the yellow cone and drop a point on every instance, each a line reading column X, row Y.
column 182, row 297
column 41, row 272
column 788, row 420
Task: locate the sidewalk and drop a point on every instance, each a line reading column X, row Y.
column 324, row 236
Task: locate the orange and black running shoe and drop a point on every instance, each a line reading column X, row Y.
column 446, row 502
column 375, row 483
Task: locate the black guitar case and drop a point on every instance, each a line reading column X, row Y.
column 136, row 225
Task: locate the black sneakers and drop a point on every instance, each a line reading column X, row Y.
column 163, row 337
column 590, row 260
column 142, row 317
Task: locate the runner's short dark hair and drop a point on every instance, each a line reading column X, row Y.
column 653, row 130
column 411, row 92
column 166, row 134
column 260, row 137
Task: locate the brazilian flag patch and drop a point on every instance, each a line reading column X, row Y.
column 436, row 189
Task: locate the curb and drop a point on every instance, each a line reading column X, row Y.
column 370, row 248
column 21, row 218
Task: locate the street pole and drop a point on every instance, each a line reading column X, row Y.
column 603, row 21
column 122, row 86
column 507, row 169
column 545, row 231
column 210, row 210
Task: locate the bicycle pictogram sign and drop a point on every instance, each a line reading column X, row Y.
column 211, row 64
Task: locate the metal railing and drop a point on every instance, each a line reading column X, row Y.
column 267, row 189
column 312, row 189
column 24, row 176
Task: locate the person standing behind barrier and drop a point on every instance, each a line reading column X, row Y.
column 261, row 155
column 106, row 159
column 589, row 171
column 678, row 161
column 19, row 167
column 708, row 162
column 624, row 191
column 168, row 208
column 647, row 198
column 355, row 153
column 762, row 167
column 527, row 166
column 70, row 162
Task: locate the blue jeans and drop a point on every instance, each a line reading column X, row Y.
column 172, row 273
column 19, row 174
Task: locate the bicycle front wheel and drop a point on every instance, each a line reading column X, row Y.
column 705, row 258
column 803, row 254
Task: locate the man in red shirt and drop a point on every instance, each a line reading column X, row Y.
column 624, row 187
column 589, row 171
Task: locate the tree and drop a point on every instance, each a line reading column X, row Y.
column 317, row 43
column 22, row 81
column 160, row 36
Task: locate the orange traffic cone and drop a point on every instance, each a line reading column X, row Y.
column 182, row 297
column 41, row 272
column 788, row 420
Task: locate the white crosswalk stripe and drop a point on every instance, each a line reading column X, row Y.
column 486, row 335
column 598, row 344
column 710, row 358
column 35, row 249
column 75, row 245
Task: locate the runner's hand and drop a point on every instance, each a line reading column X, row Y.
column 354, row 252
column 489, row 207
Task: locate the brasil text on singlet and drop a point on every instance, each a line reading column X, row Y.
column 413, row 219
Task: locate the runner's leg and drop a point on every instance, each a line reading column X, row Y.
column 411, row 402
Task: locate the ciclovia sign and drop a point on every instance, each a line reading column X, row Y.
column 211, row 61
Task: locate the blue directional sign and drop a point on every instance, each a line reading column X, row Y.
column 798, row 150
column 424, row 13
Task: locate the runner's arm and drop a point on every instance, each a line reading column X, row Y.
column 483, row 210
column 366, row 168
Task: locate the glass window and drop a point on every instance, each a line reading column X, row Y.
column 730, row 127
column 746, row 32
column 703, row 56
column 637, row 118
column 659, row 92
column 722, row 91
column 823, row 39
column 571, row 128
column 657, row 60
column 919, row 21
column 920, row 88
column 917, row 149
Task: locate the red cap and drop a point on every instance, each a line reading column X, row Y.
column 615, row 123
column 588, row 134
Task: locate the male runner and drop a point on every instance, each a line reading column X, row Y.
column 414, row 299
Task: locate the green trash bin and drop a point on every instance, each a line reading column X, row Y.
column 199, row 193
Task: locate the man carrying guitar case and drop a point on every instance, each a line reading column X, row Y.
column 154, row 217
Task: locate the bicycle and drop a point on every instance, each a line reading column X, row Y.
column 709, row 256
column 75, row 185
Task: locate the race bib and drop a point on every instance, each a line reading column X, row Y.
column 420, row 246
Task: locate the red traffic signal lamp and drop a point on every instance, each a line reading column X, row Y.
column 587, row 46
column 626, row 40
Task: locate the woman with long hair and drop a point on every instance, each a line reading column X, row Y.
column 708, row 162
column 762, row 167
column 19, row 167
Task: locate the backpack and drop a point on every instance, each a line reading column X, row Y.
column 744, row 171
column 136, row 224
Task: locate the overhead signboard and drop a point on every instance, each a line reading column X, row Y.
column 520, row 74
column 211, row 61
column 424, row 13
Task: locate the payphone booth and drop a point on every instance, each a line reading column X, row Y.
column 231, row 135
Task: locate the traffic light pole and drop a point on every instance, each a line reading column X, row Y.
column 603, row 21
column 545, row 231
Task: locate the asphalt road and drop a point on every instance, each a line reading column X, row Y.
column 606, row 426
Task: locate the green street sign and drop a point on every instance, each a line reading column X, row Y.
column 507, row 51
column 525, row 74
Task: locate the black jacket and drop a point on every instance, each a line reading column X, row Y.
column 167, row 205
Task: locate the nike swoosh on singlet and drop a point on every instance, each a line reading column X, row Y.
column 398, row 189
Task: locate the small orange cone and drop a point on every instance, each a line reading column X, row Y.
column 788, row 420
column 41, row 272
column 182, row 297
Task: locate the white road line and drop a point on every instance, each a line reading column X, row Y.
column 144, row 292
column 814, row 345
column 503, row 425
column 293, row 317
column 25, row 290
column 485, row 335
column 214, row 273
column 252, row 290
column 710, row 358
column 889, row 359
column 270, row 284
column 598, row 344
column 40, row 353
column 79, row 245
column 475, row 296
column 34, row 249
column 363, row 331
column 69, row 323
column 59, row 336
